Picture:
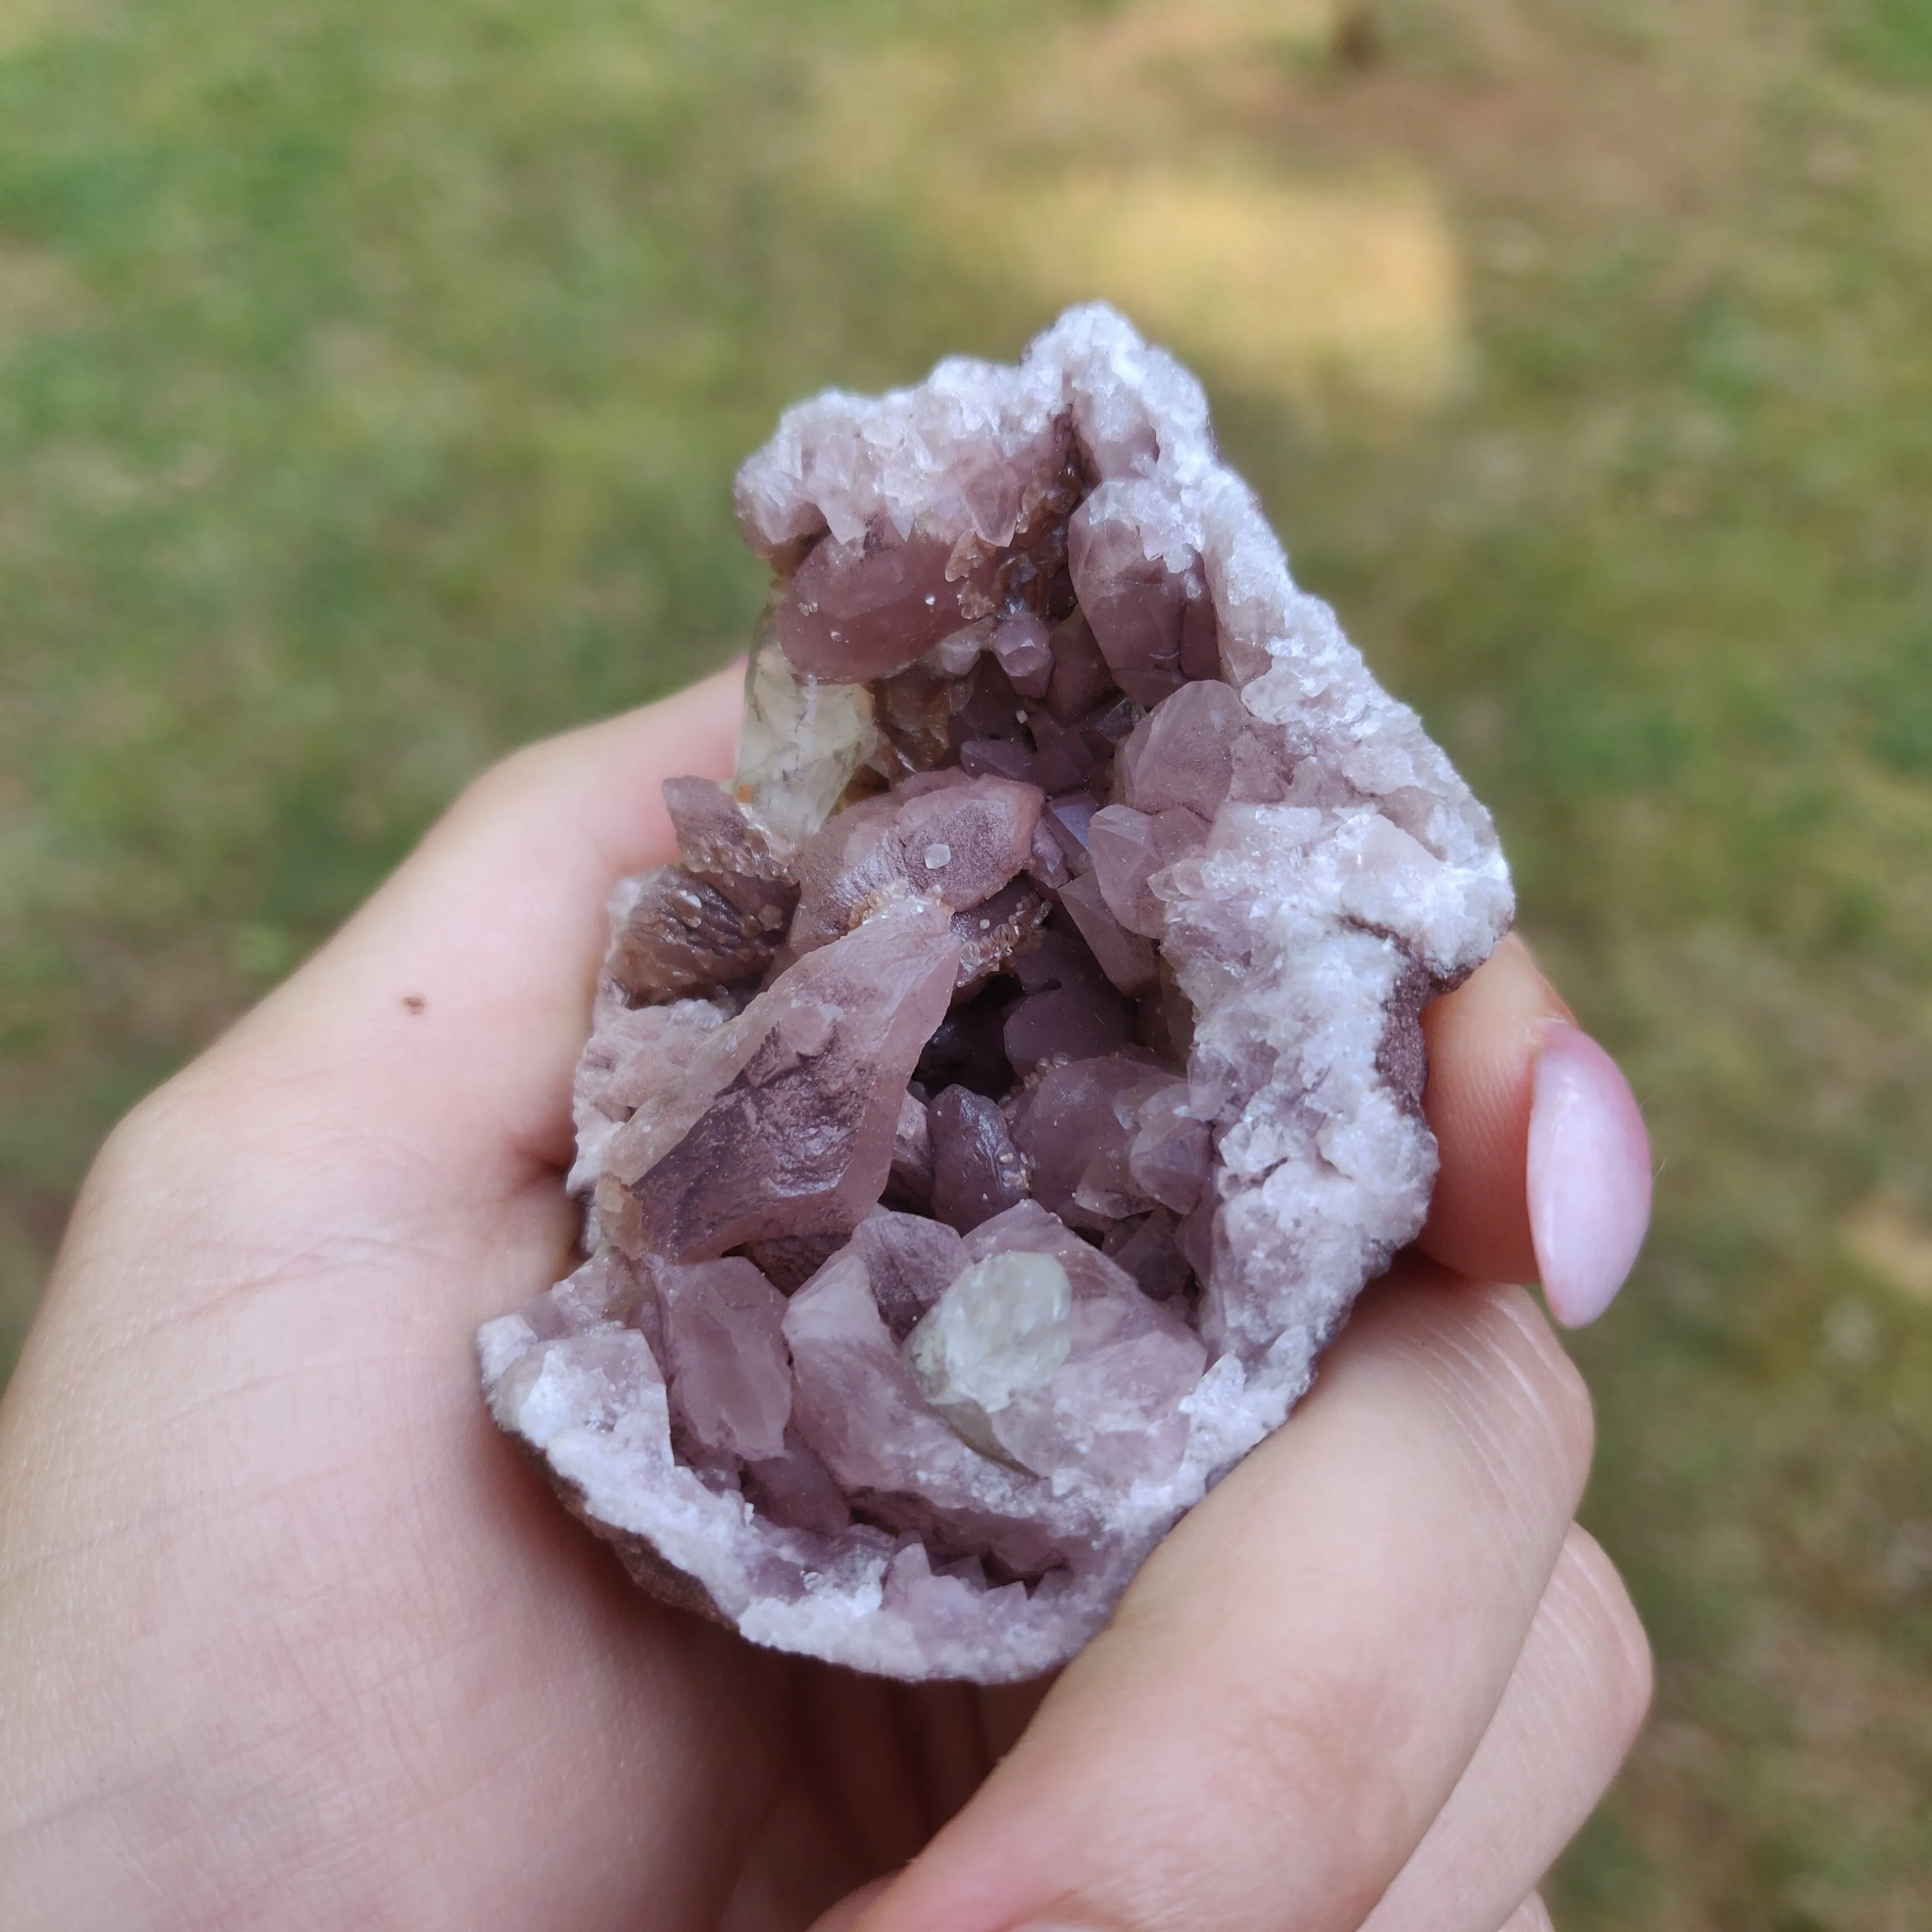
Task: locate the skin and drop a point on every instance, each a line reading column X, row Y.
column 295, row 1639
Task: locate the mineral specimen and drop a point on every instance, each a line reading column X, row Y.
column 988, row 1120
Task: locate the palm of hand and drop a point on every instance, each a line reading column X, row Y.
column 408, row 1625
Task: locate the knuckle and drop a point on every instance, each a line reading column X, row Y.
column 145, row 1179
column 150, row 1135
column 1613, row 1657
column 504, row 784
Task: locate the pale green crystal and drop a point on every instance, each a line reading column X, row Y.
column 1001, row 1331
column 802, row 741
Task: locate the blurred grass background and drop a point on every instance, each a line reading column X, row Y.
column 371, row 380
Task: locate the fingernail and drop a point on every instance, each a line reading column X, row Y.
column 1589, row 1175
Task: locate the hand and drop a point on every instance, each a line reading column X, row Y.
column 294, row 1640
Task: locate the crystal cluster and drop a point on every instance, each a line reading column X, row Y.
column 988, row 1119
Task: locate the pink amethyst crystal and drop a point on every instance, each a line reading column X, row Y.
column 988, row 1119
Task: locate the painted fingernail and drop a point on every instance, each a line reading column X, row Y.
column 1589, row 1175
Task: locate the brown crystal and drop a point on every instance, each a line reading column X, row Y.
column 678, row 934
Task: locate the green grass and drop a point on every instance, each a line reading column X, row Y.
column 371, row 380
column 1890, row 39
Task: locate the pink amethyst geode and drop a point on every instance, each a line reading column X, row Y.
column 986, row 1124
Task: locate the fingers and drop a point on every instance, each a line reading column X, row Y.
column 1575, row 1701
column 457, row 998
column 1296, row 1680
column 1546, row 1172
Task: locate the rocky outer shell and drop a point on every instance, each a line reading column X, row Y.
column 1306, row 914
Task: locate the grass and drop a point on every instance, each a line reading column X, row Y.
column 371, row 380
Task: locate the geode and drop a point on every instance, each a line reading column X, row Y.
column 988, row 1119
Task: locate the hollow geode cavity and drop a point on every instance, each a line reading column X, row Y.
column 987, row 1123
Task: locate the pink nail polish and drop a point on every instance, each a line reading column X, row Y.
column 1589, row 1175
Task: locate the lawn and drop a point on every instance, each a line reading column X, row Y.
column 371, row 381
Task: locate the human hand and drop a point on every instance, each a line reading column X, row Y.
column 295, row 1639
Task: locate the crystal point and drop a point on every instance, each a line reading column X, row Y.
column 977, row 1172
column 785, row 1121
column 860, row 610
column 730, row 1379
column 959, row 842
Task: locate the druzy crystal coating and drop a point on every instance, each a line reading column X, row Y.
column 989, row 1118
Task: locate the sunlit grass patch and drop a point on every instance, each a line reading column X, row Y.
column 1119, row 161
column 1300, row 288
column 1890, row 1241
